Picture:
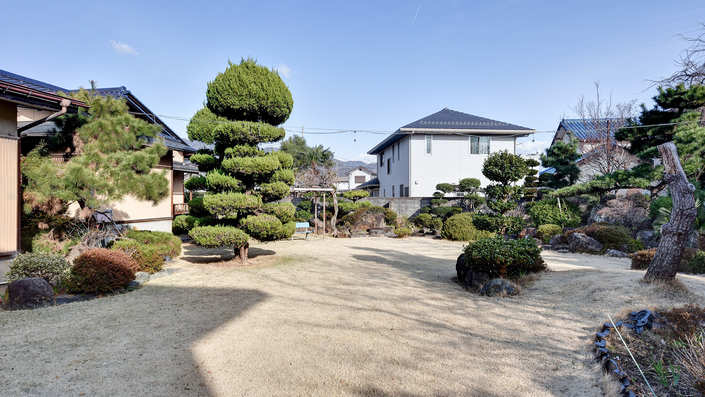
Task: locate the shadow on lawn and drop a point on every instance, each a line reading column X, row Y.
column 203, row 255
column 142, row 343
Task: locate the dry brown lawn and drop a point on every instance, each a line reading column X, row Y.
column 333, row 317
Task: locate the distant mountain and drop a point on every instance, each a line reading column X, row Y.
column 344, row 166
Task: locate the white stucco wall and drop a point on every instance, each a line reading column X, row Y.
column 352, row 185
column 450, row 161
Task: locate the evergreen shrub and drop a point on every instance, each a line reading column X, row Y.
column 609, row 235
column 402, row 231
column 264, row 227
column 497, row 223
column 217, row 236
column 658, row 203
column 183, row 224
column 423, row 220
column 284, row 211
column 196, row 208
column 149, row 249
column 517, row 257
column 547, row 231
column 460, row 228
column 50, row 267
column 696, row 264
column 547, row 212
column 100, row 270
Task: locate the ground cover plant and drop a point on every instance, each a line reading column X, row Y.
column 149, row 249
column 497, row 223
column 547, row 212
column 183, row 224
column 547, row 231
column 671, row 354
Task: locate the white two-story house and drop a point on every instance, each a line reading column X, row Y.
column 446, row 146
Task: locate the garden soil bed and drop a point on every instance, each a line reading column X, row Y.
column 343, row 317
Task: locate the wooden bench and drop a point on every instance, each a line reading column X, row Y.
column 302, row 227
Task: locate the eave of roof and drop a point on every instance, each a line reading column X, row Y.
column 370, row 183
column 35, row 94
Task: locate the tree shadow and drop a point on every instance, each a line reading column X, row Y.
column 203, row 255
column 118, row 345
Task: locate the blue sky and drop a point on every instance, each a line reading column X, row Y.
column 365, row 65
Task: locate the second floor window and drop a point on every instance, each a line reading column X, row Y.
column 479, row 145
column 429, row 144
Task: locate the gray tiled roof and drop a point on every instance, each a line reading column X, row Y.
column 450, row 121
column 447, row 119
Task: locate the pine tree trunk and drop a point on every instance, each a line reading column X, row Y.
column 334, row 218
column 241, row 253
column 674, row 234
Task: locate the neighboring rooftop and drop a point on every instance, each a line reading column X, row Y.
column 361, row 168
column 171, row 139
column 449, row 121
column 591, row 129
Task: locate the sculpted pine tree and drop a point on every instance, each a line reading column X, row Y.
column 244, row 106
column 111, row 158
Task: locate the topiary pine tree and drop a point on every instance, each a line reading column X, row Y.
column 470, row 187
column 505, row 169
column 561, row 157
column 244, row 106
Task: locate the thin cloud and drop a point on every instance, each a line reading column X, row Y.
column 417, row 14
column 122, row 48
column 284, row 70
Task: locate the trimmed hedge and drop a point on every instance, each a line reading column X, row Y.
column 100, row 270
column 497, row 223
column 609, row 235
column 218, row 236
column 149, row 249
column 517, row 257
column 403, row 231
column 423, row 220
column 547, row 212
column 284, row 211
column 264, row 227
column 50, row 267
column 460, row 228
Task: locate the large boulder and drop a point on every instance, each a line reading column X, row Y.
column 369, row 221
column 498, row 287
column 558, row 239
column 468, row 278
column 581, row 243
column 631, row 211
column 529, row 231
column 28, row 293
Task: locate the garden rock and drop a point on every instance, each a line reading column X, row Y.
column 498, row 287
column 529, row 231
column 557, row 240
column 581, row 243
column 616, row 254
column 628, row 212
column 28, row 293
column 469, row 278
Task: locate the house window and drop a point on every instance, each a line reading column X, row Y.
column 401, row 190
column 429, row 143
column 381, row 159
column 389, row 167
column 398, row 150
column 392, row 158
column 392, row 190
column 384, row 192
column 359, row 179
column 406, row 191
column 479, row 145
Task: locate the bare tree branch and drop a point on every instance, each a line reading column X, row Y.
column 691, row 63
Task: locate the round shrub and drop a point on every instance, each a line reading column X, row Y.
column 696, row 264
column 437, row 224
column 496, row 255
column 547, row 231
column 423, row 220
column 182, row 224
column 445, row 212
column 460, row 228
column 50, row 267
column 149, row 249
column 609, row 235
column 303, row 216
column 196, row 208
column 403, row 231
column 642, row 259
column 218, row 236
column 263, row 227
column 284, row 211
column 547, row 212
column 101, row 270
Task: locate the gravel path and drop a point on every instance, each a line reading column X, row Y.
column 333, row 317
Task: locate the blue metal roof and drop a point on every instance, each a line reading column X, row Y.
column 592, row 129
